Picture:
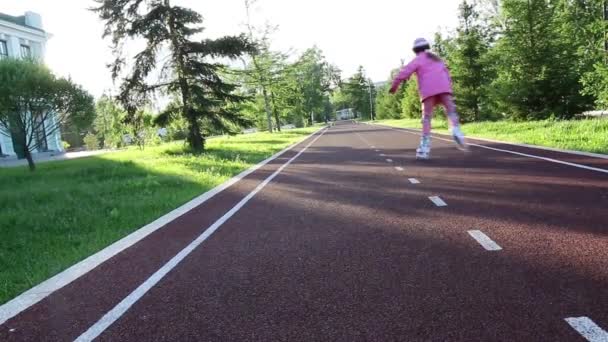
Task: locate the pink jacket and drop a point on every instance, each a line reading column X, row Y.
column 433, row 76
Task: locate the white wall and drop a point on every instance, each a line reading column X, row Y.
column 15, row 35
column 7, row 145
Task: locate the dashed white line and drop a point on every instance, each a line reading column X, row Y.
column 121, row 308
column 414, row 181
column 399, row 168
column 588, row 329
column 389, row 160
column 484, row 240
column 382, row 155
column 378, row 151
column 438, row 201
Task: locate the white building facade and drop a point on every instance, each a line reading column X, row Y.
column 24, row 37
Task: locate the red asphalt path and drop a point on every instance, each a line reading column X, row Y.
column 340, row 246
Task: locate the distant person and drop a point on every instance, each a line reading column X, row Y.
column 435, row 87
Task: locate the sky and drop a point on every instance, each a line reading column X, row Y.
column 376, row 34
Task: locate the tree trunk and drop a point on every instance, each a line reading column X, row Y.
column 195, row 139
column 29, row 158
column 274, row 111
column 267, row 106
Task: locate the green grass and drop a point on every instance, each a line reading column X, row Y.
column 590, row 135
column 68, row 210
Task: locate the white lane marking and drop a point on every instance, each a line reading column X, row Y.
column 122, row 307
column 382, row 155
column 389, row 160
column 544, row 158
column 414, row 181
column 47, row 287
column 438, row 201
column 373, row 146
column 364, row 140
column 399, row 168
column 484, row 240
column 588, row 329
column 551, row 160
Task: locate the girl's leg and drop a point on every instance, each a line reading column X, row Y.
column 427, row 115
column 450, row 107
column 448, row 102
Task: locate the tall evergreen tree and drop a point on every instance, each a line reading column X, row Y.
column 357, row 91
column 468, row 63
column 536, row 77
column 190, row 69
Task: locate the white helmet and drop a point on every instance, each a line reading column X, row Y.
column 421, row 42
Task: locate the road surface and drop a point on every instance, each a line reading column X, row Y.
column 347, row 238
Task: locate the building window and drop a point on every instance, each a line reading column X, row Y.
column 3, row 49
column 26, row 51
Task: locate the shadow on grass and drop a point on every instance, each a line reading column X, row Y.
column 68, row 210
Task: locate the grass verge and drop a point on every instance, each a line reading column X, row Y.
column 68, row 210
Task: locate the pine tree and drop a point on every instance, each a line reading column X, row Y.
column 188, row 71
column 536, row 78
column 468, row 63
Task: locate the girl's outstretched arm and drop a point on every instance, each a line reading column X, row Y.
column 404, row 75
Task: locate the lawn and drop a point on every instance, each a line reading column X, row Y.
column 589, row 135
column 68, row 210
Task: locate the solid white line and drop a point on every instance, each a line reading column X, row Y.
column 580, row 166
column 588, row 329
column 399, row 168
column 122, row 307
column 389, row 160
column 543, row 158
column 414, row 181
column 484, row 240
column 44, row 289
column 552, row 149
column 438, row 201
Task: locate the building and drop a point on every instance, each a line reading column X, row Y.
column 345, row 114
column 24, row 37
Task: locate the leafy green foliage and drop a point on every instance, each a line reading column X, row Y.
column 523, row 60
column 35, row 104
column 190, row 70
column 91, row 142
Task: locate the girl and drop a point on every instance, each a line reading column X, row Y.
column 435, row 87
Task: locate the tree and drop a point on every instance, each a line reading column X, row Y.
column 35, row 103
column 311, row 81
column 109, row 124
column 411, row 105
column 356, row 91
column 468, row 64
column 190, row 69
column 261, row 67
column 267, row 74
column 584, row 28
column 535, row 74
column 389, row 106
